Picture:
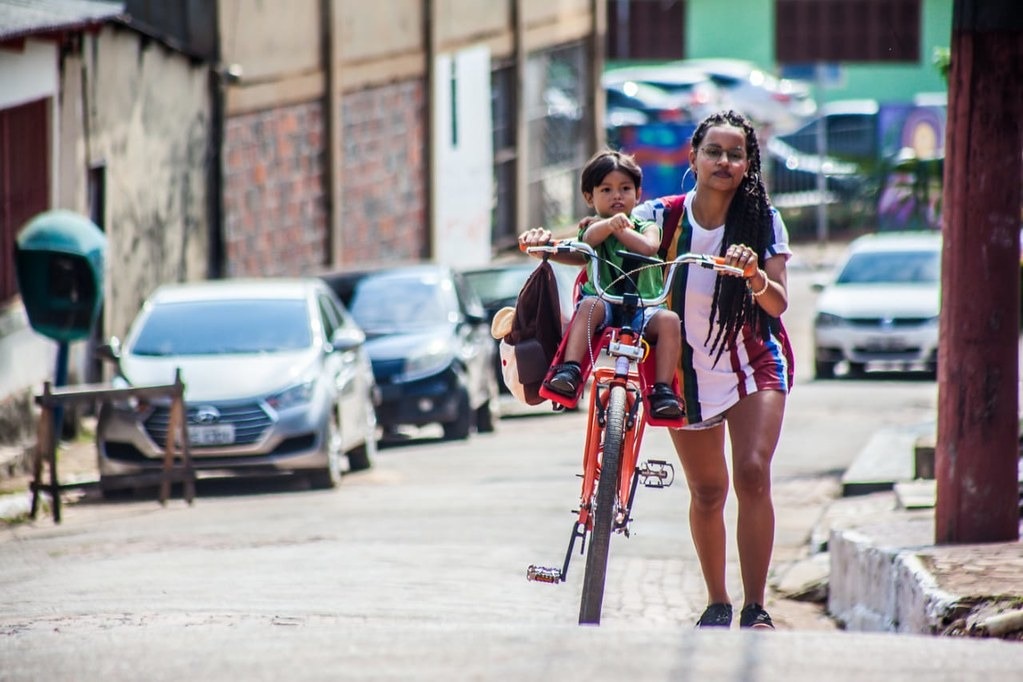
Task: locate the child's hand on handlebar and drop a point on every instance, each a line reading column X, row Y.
column 537, row 236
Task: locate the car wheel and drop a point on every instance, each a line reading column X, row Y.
column 823, row 369
column 330, row 476
column 485, row 418
column 459, row 428
column 857, row 370
column 361, row 458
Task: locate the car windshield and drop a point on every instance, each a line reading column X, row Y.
column 217, row 327
column 894, row 267
column 500, row 284
column 382, row 304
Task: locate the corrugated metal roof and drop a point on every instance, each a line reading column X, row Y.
column 22, row 18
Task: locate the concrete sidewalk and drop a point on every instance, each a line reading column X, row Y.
column 887, row 574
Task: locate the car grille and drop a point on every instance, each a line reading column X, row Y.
column 888, row 323
column 250, row 422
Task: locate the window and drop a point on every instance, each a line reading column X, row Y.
column 502, row 96
column 645, row 29
column 557, row 133
column 809, row 31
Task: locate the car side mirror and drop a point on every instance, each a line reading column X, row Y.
column 110, row 351
column 818, row 284
column 347, row 338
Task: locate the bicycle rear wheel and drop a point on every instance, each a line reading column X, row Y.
column 603, row 512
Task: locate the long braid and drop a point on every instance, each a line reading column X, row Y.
column 749, row 221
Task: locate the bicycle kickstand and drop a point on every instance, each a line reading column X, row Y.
column 542, row 574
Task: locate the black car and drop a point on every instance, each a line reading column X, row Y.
column 429, row 341
column 498, row 285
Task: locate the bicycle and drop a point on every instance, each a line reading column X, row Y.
column 616, row 420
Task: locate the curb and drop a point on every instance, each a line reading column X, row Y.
column 886, row 572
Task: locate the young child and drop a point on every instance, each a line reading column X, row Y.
column 611, row 186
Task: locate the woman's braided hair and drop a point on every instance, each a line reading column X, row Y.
column 749, row 221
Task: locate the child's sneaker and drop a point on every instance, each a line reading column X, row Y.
column 664, row 404
column 565, row 380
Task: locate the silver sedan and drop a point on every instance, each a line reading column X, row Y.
column 277, row 381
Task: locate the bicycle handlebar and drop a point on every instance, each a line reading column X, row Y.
column 716, row 263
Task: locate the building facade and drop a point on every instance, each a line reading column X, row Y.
column 246, row 138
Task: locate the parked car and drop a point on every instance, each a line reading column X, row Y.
column 851, row 148
column 882, row 306
column 498, row 285
column 691, row 89
column 277, row 380
column 429, row 341
column 631, row 102
column 782, row 104
column 850, row 130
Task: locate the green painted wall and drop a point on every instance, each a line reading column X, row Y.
column 744, row 29
column 736, row 29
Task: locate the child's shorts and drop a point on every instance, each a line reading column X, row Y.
column 614, row 315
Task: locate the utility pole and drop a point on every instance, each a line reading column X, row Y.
column 977, row 450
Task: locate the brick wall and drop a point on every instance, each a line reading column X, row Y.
column 384, row 173
column 274, row 198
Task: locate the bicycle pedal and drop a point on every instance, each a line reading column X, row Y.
column 656, row 473
column 542, row 574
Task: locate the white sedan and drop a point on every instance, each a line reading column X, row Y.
column 881, row 309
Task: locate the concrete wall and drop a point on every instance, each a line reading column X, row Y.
column 369, row 64
column 147, row 122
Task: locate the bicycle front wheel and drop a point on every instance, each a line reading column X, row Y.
column 603, row 511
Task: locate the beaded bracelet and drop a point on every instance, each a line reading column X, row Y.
column 767, row 283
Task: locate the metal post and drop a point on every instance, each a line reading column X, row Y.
column 822, row 151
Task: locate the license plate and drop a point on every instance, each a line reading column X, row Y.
column 882, row 343
column 211, row 434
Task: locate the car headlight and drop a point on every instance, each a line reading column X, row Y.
column 430, row 359
column 299, row 394
column 141, row 407
column 827, row 320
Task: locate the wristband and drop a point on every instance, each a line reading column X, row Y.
column 767, row 283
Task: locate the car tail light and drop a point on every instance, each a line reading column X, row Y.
column 673, row 116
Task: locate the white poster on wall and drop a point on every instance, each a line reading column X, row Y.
column 462, row 169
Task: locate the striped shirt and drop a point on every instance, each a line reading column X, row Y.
column 753, row 364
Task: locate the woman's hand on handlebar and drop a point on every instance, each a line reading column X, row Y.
column 743, row 257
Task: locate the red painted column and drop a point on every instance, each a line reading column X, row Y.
column 978, row 366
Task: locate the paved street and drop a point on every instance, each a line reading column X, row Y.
column 415, row 569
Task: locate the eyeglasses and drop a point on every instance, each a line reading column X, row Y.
column 713, row 152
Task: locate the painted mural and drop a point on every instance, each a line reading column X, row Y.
column 913, row 149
